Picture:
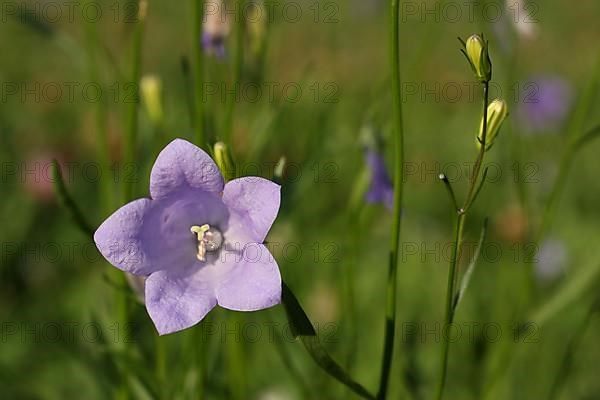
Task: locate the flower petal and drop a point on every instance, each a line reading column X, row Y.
column 177, row 302
column 256, row 198
column 182, row 164
column 119, row 238
column 253, row 284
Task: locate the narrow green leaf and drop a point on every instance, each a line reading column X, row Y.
column 467, row 277
column 67, row 201
column 303, row 329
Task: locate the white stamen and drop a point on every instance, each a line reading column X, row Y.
column 209, row 239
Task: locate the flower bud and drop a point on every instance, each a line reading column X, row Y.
column 151, row 90
column 279, row 170
column 224, row 160
column 476, row 51
column 496, row 114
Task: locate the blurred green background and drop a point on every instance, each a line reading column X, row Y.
column 59, row 335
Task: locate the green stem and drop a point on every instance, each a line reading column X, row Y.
column 457, row 249
column 390, row 319
column 450, row 303
column 132, row 110
column 238, row 63
column 198, row 13
column 479, row 161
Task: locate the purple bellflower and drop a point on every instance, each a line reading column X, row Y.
column 197, row 240
column 381, row 189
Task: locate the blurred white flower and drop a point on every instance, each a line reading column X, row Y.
column 551, row 259
column 523, row 18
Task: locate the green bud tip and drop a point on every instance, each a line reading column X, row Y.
column 224, row 160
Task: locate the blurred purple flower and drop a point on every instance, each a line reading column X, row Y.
column 551, row 259
column 381, row 189
column 548, row 104
column 216, row 28
column 198, row 241
column 214, row 44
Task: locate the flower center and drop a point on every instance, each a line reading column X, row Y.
column 209, row 239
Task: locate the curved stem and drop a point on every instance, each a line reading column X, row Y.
column 390, row 313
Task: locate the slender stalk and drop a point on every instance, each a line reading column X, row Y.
column 198, row 13
column 449, row 302
column 238, row 63
column 450, row 191
column 390, row 314
column 457, row 248
column 479, row 161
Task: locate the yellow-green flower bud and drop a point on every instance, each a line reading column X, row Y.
column 224, row 160
column 496, row 114
column 476, row 50
column 151, row 90
column 279, row 170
